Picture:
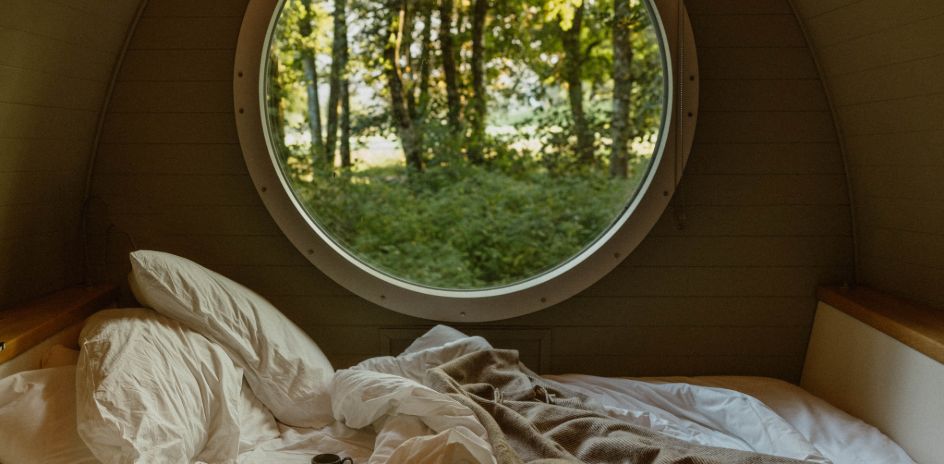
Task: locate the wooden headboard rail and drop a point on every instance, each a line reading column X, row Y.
column 881, row 358
column 28, row 325
column 917, row 326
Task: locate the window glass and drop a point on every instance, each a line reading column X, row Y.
column 464, row 144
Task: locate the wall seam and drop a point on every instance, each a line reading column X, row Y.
column 843, row 149
column 96, row 140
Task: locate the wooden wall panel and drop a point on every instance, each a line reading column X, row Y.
column 761, row 219
column 882, row 62
column 56, row 62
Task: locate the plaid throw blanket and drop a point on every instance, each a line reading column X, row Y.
column 528, row 421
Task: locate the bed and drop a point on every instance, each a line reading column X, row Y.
column 119, row 398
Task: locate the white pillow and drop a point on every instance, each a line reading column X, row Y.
column 150, row 390
column 284, row 367
column 37, row 419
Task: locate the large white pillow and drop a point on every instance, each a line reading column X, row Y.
column 37, row 419
column 286, row 369
column 151, row 390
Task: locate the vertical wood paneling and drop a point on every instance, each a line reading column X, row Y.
column 56, row 61
column 762, row 216
column 883, row 63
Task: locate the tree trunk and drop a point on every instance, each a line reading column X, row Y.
column 275, row 97
column 409, row 137
column 478, row 104
column 425, row 58
column 621, row 124
column 339, row 57
column 453, row 101
column 311, row 84
column 573, row 61
column 345, row 125
column 405, row 55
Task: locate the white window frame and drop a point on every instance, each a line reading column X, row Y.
column 552, row 287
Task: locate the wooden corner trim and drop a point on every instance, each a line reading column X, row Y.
column 918, row 326
column 25, row 326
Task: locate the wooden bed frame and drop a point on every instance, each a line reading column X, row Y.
column 877, row 357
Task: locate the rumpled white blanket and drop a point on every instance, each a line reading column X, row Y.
column 414, row 423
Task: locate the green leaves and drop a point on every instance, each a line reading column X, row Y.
column 514, row 119
column 562, row 11
column 465, row 226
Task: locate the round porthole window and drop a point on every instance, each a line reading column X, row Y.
column 465, row 160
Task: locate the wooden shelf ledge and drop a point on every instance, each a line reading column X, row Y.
column 918, row 326
column 24, row 327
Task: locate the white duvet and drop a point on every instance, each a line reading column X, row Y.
column 414, row 424
column 411, row 423
column 383, row 398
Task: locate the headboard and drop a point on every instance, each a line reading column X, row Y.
column 28, row 330
column 881, row 358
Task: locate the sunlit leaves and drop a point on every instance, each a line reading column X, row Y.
column 561, row 11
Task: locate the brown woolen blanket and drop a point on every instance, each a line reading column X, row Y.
column 529, row 421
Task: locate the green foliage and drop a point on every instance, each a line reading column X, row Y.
column 464, row 226
column 563, row 11
column 487, row 206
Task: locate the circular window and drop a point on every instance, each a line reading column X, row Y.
column 465, row 160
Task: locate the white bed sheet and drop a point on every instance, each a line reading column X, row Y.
column 297, row 445
column 671, row 404
column 664, row 403
column 840, row 436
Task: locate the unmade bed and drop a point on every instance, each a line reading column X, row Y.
column 210, row 372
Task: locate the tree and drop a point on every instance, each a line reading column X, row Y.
column 573, row 61
column 275, row 99
column 450, row 76
column 478, row 104
column 410, row 138
column 426, row 45
column 311, row 80
column 345, row 125
column 339, row 58
column 621, row 128
column 405, row 55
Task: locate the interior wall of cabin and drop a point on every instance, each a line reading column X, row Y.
column 761, row 218
column 883, row 63
column 56, row 62
column 723, row 285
